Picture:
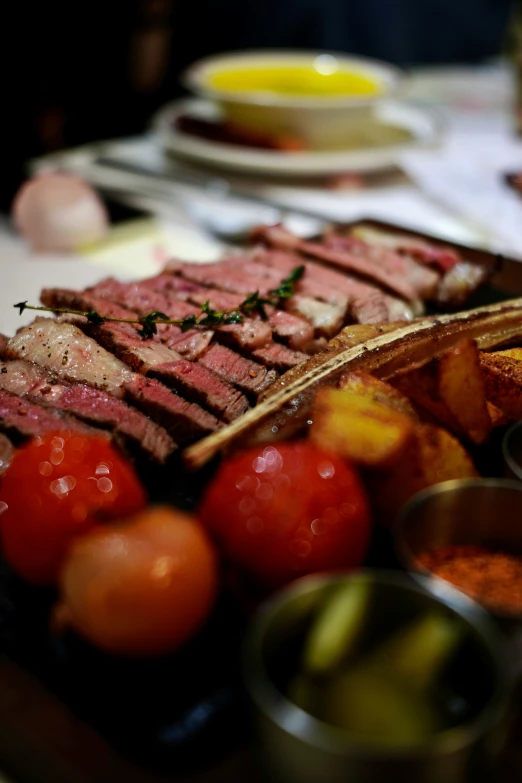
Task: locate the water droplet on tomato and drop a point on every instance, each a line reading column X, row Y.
column 57, row 456
column 325, row 469
column 45, row 468
column 104, row 484
column 319, row 527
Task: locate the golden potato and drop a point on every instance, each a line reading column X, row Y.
column 359, row 428
column 366, row 385
column 421, row 385
column 503, row 382
column 433, row 455
column 461, row 387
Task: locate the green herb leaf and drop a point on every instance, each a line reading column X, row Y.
column 94, row 317
column 188, row 323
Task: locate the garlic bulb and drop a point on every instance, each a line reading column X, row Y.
column 59, row 212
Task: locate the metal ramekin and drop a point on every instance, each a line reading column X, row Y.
column 294, row 747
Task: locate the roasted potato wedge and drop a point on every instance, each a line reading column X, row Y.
column 366, row 385
column 503, row 382
column 421, row 386
column 360, row 428
column 434, row 455
column 461, row 388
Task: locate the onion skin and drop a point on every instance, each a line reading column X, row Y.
column 58, row 212
column 140, row 588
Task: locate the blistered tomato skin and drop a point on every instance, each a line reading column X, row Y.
column 56, row 488
column 283, row 511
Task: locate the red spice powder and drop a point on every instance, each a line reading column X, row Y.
column 493, row 578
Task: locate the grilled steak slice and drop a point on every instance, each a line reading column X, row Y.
column 73, row 356
column 186, row 421
column 279, row 356
column 142, row 300
column 392, row 277
column 423, row 279
column 130, row 428
column 247, row 335
column 196, row 382
column 3, row 345
column 242, row 277
column 286, row 327
column 23, row 418
column 120, row 339
column 250, row 377
column 66, row 351
column 366, row 302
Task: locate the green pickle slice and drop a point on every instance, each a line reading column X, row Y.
column 387, row 697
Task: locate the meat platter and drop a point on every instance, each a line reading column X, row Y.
column 183, row 717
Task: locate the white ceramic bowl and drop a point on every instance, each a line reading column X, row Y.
column 321, row 122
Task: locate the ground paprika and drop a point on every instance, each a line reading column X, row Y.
column 492, row 577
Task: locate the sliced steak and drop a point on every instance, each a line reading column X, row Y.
column 392, row 278
column 3, row 345
column 423, row 280
column 48, row 342
column 121, row 339
column 196, row 382
column 252, row 378
column 186, row 421
column 247, row 335
column 142, row 300
column 366, row 302
column 279, row 356
column 23, row 418
column 130, row 428
column 66, row 351
column 242, row 277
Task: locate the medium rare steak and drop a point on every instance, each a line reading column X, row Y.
column 366, row 302
column 247, row 335
column 186, row 421
column 196, row 382
column 132, row 429
column 392, row 278
column 23, row 418
column 73, row 356
column 279, row 356
column 423, row 279
column 252, row 378
column 66, row 351
column 242, row 277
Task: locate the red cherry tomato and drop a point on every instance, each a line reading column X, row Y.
column 284, row 511
column 57, row 487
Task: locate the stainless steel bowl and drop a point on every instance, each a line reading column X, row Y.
column 512, row 451
column 464, row 511
column 294, row 747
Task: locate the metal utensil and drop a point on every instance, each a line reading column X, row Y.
column 117, row 173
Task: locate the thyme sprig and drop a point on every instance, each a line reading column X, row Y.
column 207, row 318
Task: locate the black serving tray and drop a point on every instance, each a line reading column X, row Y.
column 70, row 714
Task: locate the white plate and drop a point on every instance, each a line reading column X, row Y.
column 424, row 123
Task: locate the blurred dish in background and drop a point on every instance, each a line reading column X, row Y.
column 318, row 98
column 195, row 130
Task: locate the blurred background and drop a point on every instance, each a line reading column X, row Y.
column 98, row 70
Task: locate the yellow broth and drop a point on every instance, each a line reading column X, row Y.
column 295, row 81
